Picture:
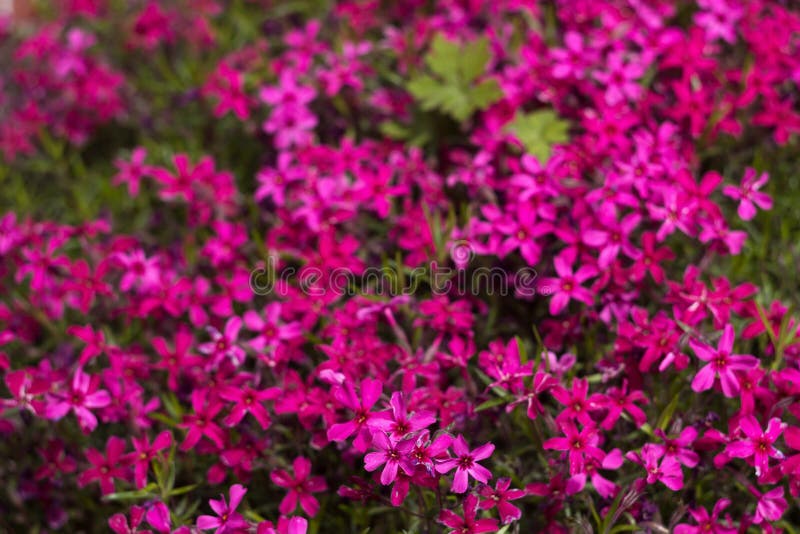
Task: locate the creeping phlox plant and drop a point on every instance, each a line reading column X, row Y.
column 413, row 266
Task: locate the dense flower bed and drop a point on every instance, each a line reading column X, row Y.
column 457, row 266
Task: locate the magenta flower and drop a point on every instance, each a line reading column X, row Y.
column 679, row 447
column 618, row 400
column 748, row 194
column 120, row 525
column 771, row 505
column 145, row 452
column 131, row 173
column 300, row 487
column 95, row 342
column 248, row 400
column 578, row 445
column 660, row 468
column 707, row 524
column 201, row 422
column 106, row 468
column 397, row 422
column 223, row 344
column 500, row 496
column 227, row 520
column 346, row 395
column 158, row 517
column 721, row 363
column 83, row 396
column 393, row 453
column 468, row 524
column 568, row 284
column 758, row 444
column 465, row 463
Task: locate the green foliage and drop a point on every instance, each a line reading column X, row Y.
column 454, row 88
column 539, row 131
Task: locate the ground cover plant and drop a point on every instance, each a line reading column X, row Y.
column 419, row 266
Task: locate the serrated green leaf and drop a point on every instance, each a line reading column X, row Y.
column 485, row 94
column 539, row 131
column 473, row 59
column 444, row 58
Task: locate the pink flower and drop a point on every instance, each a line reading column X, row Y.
column 393, row 453
column 706, row 524
column 721, row 363
column 227, row 521
column 668, row 471
column 248, row 400
column 223, row 344
column 500, row 497
column 465, row 463
column 749, row 195
column 679, row 447
column 158, row 517
column 133, row 172
column 771, row 505
column 106, row 468
column 201, row 422
column 467, row 524
column 81, row 398
column 568, row 284
column 144, row 453
column 300, row 486
column 577, row 444
column 346, row 395
column 758, row 443
column 397, row 422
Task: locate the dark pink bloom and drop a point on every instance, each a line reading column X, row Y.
column 397, row 422
column 84, row 394
column 465, row 463
column 568, row 284
column 201, row 422
column 131, row 173
column 227, row 520
column 145, row 452
column 679, row 447
column 578, row 445
column 223, row 344
column 721, row 363
column 300, row 486
column 120, row 525
column 749, row 195
column 249, row 401
column 393, row 453
column 707, row 524
column 346, row 395
column 106, row 468
column 500, row 496
column 468, row 524
column 758, row 443
column 660, row 468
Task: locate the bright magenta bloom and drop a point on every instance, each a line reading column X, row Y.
column 721, row 363
column 300, row 487
column 227, row 520
column 465, row 464
column 759, row 443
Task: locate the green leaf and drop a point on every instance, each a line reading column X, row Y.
column 452, row 87
column 485, row 94
column 444, row 58
column 473, row 59
column 539, row 131
column 144, row 493
column 490, row 404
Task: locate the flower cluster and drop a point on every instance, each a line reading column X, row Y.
column 633, row 154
